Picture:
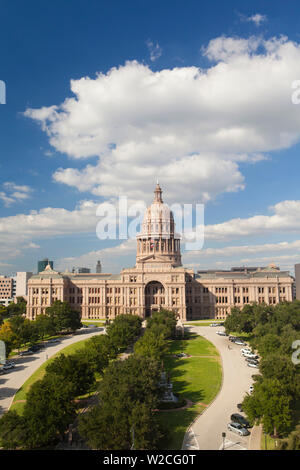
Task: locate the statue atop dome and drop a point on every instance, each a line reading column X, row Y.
column 157, row 194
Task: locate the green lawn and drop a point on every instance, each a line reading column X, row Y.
column 268, row 442
column 92, row 322
column 196, row 378
column 202, row 322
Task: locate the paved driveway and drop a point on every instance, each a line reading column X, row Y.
column 206, row 431
column 13, row 379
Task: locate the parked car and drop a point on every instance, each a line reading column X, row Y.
column 8, row 365
column 2, row 371
column 240, row 342
column 238, row 429
column 54, row 340
column 214, row 324
column 253, row 361
column 237, row 418
column 232, row 338
column 221, row 333
column 246, row 350
column 250, row 356
column 34, row 348
column 26, row 353
column 250, row 364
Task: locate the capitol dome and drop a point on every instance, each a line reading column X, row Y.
column 158, row 219
column 157, row 240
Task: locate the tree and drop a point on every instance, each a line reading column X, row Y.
column 48, row 410
column 146, row 429
column 166, row 320
column 232, row 322
column 293, row 440
column 129, row 391
column 105, row 428
column 73, row 369
column 124, row 330
column 152, row 344
column 13, row 430
column 45, row 326
column 268, row 344
column 25, row 331
column 97, row 351
column 18, row 308
column 64, row 318
column 277, row 366
column 8, row 336
column 270, row 403
column 3, row 313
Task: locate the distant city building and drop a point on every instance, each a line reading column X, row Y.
column 158, row 280
column 43, row 264
column 81, row 270
column 14, row 286
column 297, row 280
column 21, row 283
column 6, row 290
column 98, row 267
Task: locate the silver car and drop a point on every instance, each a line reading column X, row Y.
column 9, row 365
column 238, row 429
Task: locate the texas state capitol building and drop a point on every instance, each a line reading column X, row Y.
column 158, row 280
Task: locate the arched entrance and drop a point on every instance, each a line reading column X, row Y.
column 154, row 297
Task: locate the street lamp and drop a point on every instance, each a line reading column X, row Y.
column 265, row 440
column 132, row 446
column 223, row 436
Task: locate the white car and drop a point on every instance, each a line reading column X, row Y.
column 251, row 364
column 239, row 342
column 246, row 350
column 221, row 333
column 9, row 365
column 250, row 355
column 238, row 428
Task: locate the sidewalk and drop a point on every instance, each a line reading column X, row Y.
column 255, row 438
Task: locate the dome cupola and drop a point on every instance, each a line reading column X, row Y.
column 156, row 241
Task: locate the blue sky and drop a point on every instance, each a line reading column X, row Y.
column 46, row 174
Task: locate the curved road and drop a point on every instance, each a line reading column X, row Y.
column 206, row 431
column 13, row 379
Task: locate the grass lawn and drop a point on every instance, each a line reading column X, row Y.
column 202, row 322
column 92, row 322
column 196, row 378
column 268, row 442
column 38, row 374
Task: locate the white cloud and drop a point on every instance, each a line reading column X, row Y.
column 257, row 19
column 14, row 193
column 154, row 49
column 178, row 124
column 6, row 199
column 285, row 219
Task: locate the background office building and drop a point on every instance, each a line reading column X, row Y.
column 43, row 264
